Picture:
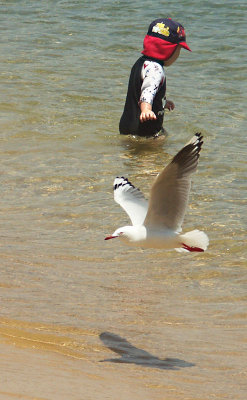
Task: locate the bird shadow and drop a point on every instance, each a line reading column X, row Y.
column 130, row 354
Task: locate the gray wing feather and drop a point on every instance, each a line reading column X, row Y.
column 170, row 191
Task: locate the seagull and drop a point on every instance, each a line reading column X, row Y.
column 158, row 223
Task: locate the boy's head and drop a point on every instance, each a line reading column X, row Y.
column 163, row 37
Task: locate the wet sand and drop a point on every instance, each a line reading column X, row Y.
column 36, row 363
column 28, row 374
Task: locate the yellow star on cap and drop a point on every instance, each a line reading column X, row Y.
column 162, row 29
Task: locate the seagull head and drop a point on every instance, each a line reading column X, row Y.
column 129, row 233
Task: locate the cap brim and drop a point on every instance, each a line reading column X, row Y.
column 185, row 46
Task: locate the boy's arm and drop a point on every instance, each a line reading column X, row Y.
column 146, row 112
column 152, row 75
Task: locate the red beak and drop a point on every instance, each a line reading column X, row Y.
column 110, row 237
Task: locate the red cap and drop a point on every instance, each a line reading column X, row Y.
column 162, row 38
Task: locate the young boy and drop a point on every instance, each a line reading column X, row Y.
column 145, row 101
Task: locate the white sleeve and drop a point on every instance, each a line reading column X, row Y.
column 153, row 76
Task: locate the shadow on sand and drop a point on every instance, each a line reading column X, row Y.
column 132, row 355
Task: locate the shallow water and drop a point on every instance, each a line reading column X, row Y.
column 125, row 322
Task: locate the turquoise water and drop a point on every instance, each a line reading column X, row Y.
column 64, row 72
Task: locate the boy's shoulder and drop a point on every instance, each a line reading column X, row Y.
column 152, row 67
column 152, row 64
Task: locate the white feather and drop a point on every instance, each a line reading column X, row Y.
column 131, row 200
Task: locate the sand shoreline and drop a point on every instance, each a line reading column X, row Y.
column 40, row 375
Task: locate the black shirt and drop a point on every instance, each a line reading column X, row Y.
column 130, row 121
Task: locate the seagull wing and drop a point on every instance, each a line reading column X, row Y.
column 131, row 200
column 170, row 191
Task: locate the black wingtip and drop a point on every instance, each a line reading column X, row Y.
column 191, row 150
column 124, row 182
column 199, row 145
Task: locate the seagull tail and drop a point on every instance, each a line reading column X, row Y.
column 193, row 241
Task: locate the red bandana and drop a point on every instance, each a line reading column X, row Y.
column 158, row 48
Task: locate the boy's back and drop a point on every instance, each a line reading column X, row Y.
column 130, row 120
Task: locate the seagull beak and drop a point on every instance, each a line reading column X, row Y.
column 110, row 237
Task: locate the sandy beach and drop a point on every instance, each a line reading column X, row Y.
column 38, row 364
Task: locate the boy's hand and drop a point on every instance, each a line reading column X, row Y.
column 146, row 112
column 169, row 105
column 148, row 115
